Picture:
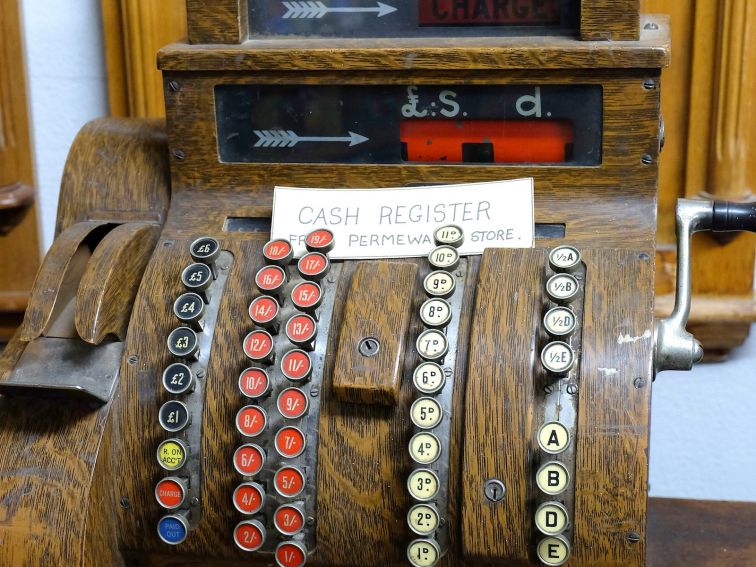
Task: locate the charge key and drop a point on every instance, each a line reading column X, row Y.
column 450, row 235
column 171, row 492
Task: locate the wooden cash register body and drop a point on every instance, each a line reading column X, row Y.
column 78, row 480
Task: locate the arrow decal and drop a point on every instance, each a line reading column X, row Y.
column 289, row 139
column 315, row 10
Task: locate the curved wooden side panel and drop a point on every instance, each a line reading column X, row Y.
column 57, row 279
column 117, row 170
column 110, row 282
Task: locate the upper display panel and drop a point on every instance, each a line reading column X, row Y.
column 407, row 18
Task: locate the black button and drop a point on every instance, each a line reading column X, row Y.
column 182, row 342
column 197, row 277
column 173, row 416
column 205, row 250
column 178, row 378
column 189, row 308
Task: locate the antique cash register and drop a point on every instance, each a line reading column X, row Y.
column 189, row 389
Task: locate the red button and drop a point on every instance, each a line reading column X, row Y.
column 291, row 554
column 249, row 459
column 313, row 266
column 288, row 520
column 254, row 383
column 251, row 421
column 290, row 442
column 263, row 310
column 301, row 329
column 296, row 365
column 292, row 403
column 278, row 252
column 258, row 346
column 270, row 279
column 249, row 498
column 289, row 481
column 320, row 240
column 306, row 296
column 170, row 493
column 249, row 535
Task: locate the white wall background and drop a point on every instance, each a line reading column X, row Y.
column 701, row 444
column 66, row 85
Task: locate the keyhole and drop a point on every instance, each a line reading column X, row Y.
column 369, row 346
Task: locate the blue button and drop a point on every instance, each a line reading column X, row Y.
column 172, row 529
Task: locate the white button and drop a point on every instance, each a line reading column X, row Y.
column 423, row 553
column 428, row 378
column 422, row 485
column 564, row 259
column 552, row 478
column 444, row 258
column 426, row 413
column 449, row 234
column 435, row 313
column 553, row 550
column 423, row 519
column 551, row 518
column 559, row 321
column 439, row 284
column 562, row 288
column 432, row 344
column 557, row 357
column 424, row 448
column 553, row 437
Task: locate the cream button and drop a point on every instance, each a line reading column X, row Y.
column 423, row 553
column 553, row 437
column 562, row 288
column 428, row 378
column 552, row 478
column 557, row 357
column 432, row 344
column 439, row 284
column 424, row 448
column 553, row 550
column 426, row 413
column 435, row 313
column 422, row 485
column 423, row 519
column 551, row 518
column 444, row 258
column 564, row 259
column 559, row 322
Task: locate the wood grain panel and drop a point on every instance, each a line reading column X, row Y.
column 219, row 21
column 401, row 54
column 378, row 307
column 117, row 170
column 611, row 20
column 614, row 399
column 499, row 406
column 111, row 279
column 48, row 452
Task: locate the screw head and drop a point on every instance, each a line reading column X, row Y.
column 174, row 86
column 639, row 382
column 132, row 360
column 572, row 389
column 647, row 159
column 494, row 490
column 649, row 84
column 633, row 537
column 125, row 503
column 651, row 26
column 179, row 154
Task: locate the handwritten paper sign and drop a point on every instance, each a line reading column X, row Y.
column 399, row 222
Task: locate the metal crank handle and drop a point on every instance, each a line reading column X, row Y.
column 676, row 348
